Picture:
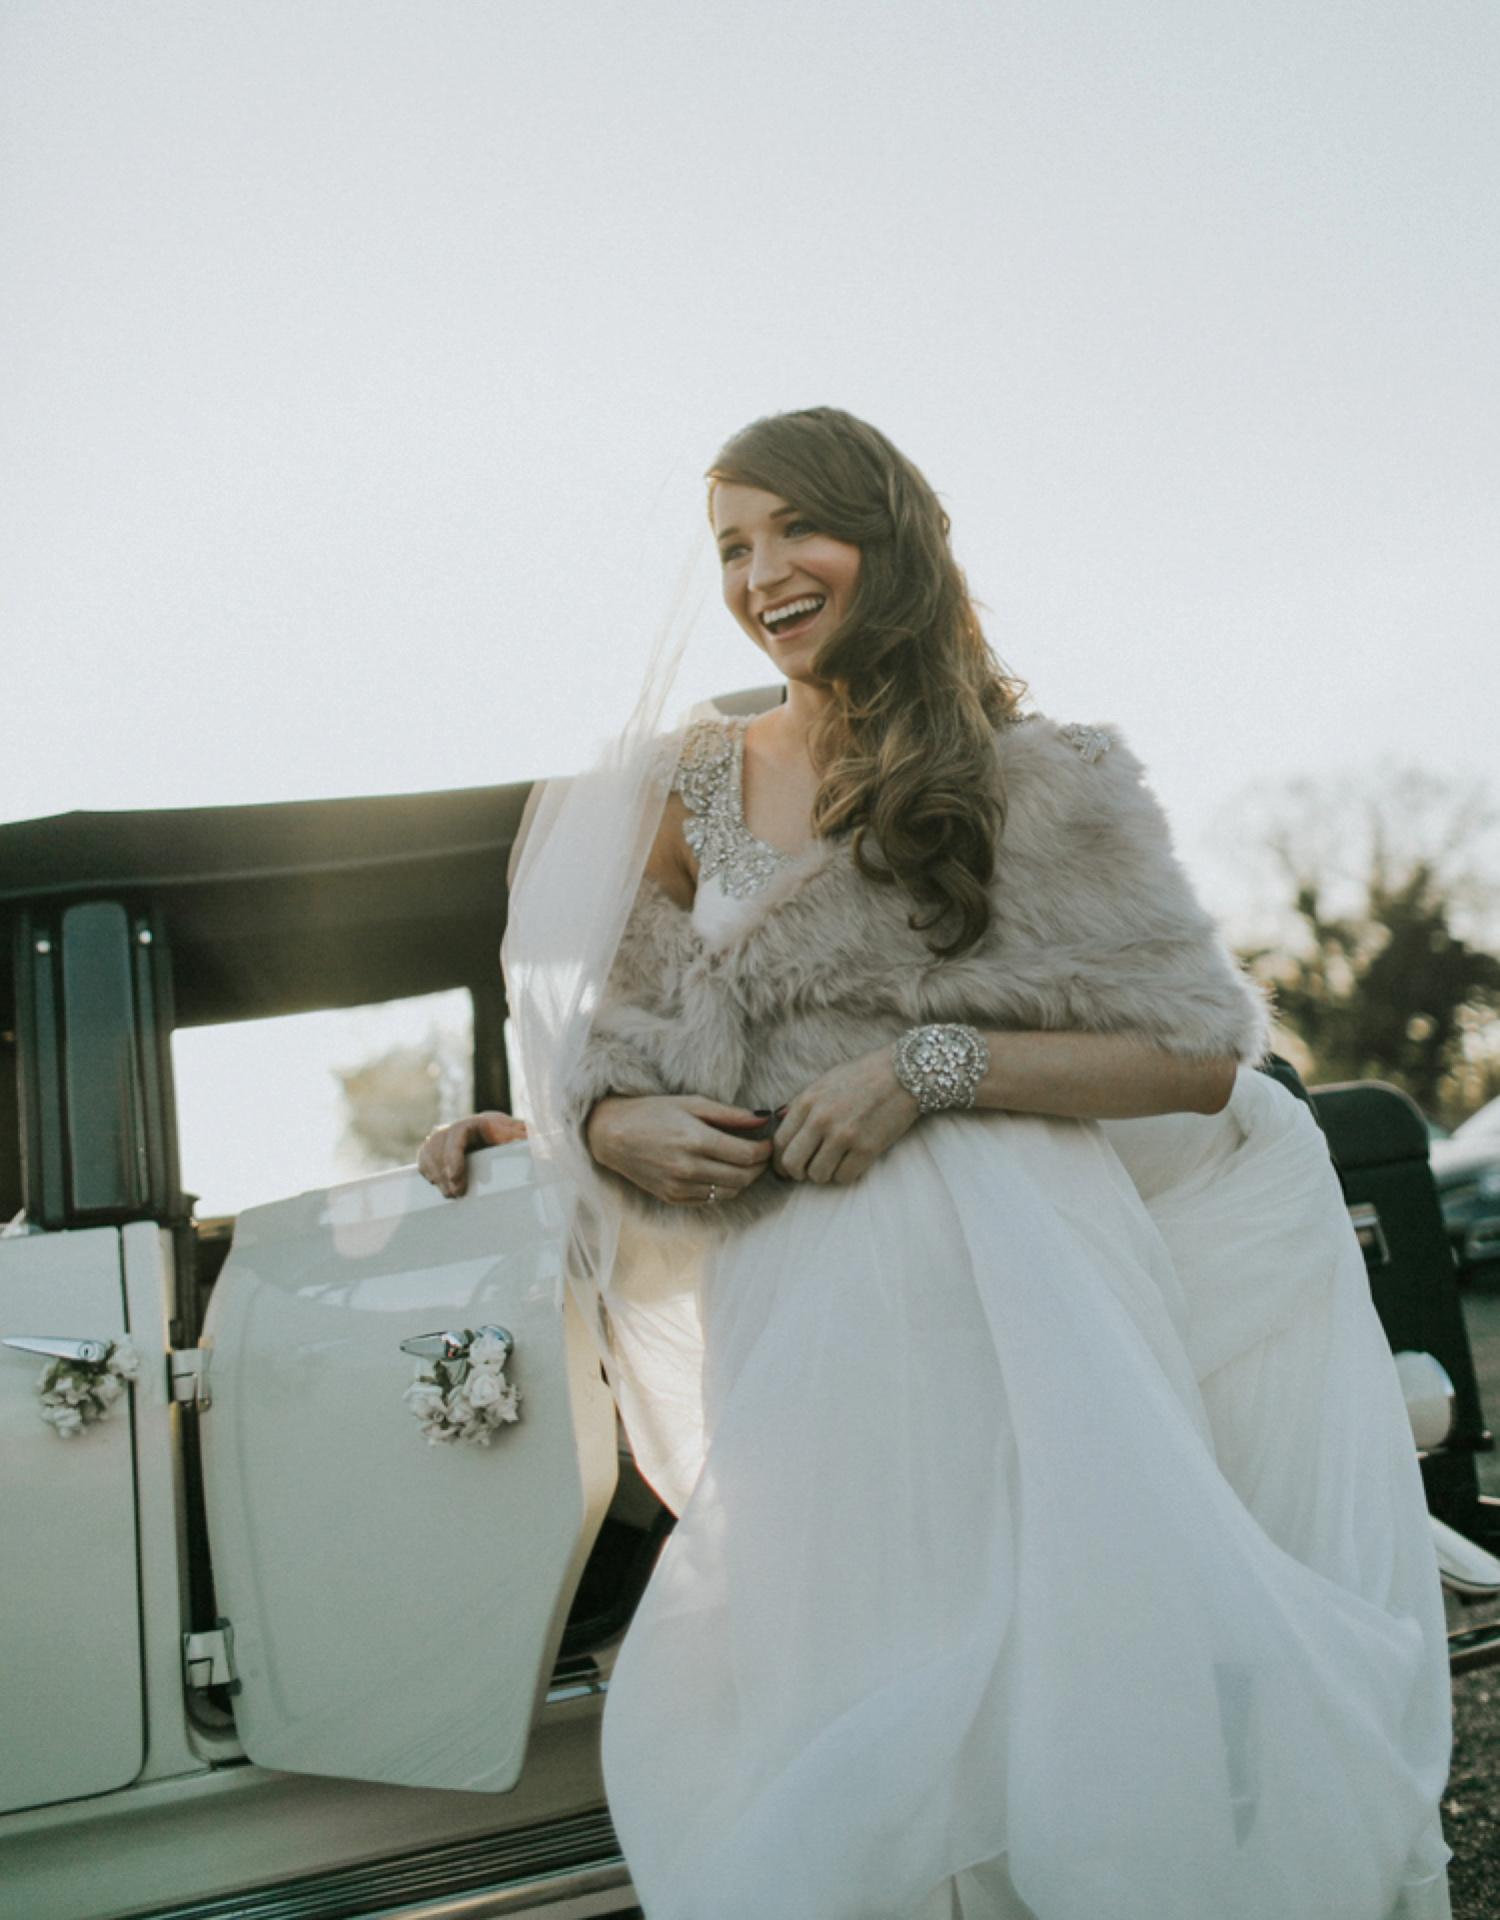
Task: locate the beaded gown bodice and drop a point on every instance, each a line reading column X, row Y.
column 733, row 865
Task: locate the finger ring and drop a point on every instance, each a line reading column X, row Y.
column 713, row 1195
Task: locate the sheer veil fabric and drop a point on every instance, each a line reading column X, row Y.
column 574, row 877
column 1059, row 1549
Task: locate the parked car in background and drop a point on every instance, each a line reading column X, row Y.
column 1467, row 1170
column 265, row 1652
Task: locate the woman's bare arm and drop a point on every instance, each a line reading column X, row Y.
column 668, row 1145
column 670, row 862
column 664, row 1144
column 674, row 1147
column 1099, row 1076
column 838, row 1127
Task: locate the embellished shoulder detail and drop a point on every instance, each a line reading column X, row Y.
column 703, row 762
column 1092, row 743
column 1089, row 743
column 709, row 778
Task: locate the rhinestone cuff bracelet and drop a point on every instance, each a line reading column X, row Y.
column 941, row 1066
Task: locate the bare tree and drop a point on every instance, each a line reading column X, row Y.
column 1378, row 943
column 393, row 1101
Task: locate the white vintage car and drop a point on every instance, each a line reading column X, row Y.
column 264, row 1651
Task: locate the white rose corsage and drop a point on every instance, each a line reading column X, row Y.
column 468, row 1396
column 76, row 1393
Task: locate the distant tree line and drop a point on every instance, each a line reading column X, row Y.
column 1380, row 964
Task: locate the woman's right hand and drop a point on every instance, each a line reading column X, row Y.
column 442, row 1157
column 665, row 1145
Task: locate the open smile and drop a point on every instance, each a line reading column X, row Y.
column 793, row 614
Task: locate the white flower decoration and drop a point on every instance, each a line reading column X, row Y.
column 483, row 1389
column 465, row 1398
column 488, row 1350
column 76, row 1393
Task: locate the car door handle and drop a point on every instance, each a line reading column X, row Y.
column 89, row 1352
column 453, row 1344
column 452, row 1347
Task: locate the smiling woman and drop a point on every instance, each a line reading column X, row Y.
column 1052, row 1542
column 788, row 584
column 905, row 749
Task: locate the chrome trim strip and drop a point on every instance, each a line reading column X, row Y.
column 500, row 1874
column 535, row 1896
column 1473, row 1647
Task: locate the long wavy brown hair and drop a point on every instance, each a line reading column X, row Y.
column 906, row 747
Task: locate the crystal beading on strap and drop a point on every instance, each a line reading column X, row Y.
column 941, row 1066
column 709, row 777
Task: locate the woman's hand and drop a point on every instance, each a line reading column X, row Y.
column 442, row 1156
column 836, row 1129
column 664, row 1144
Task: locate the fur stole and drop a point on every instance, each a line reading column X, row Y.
column 1095, row 929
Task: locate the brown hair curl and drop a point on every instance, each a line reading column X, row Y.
column 906, row 747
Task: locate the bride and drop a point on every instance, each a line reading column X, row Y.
column 1052, row 1541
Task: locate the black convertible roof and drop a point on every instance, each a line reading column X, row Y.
column 290, row 906
column 84, row 853
column 287, row 907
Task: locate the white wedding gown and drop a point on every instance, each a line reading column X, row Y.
column 1060, row 1550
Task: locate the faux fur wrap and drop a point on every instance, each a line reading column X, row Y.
column 1095, row 929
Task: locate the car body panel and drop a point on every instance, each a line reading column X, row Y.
column 70, row 1654
column 219, row 1832
column 365, row 1573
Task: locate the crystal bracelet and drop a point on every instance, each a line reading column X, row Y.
column 941, row 1066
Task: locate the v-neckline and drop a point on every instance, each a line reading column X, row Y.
column 739, row 730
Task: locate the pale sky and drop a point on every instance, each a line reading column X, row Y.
column 358, row 363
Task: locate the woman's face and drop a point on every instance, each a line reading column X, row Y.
column 787, row 583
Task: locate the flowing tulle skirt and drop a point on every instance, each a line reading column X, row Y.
column 1060, row 1550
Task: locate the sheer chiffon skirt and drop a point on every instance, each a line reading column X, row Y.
column 1060, row 1550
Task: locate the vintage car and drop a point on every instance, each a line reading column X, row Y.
column 1467, row 1170
column 264, row 1651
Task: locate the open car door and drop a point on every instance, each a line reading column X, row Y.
column 392, row 1607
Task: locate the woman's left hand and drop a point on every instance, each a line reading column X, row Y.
column 836, row 1129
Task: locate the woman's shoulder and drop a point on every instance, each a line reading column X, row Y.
column 699, row 757
column 1070, row 751
column 1082, row 773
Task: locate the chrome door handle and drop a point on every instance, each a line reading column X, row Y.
column 88, row 1352
column 452, row 1346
